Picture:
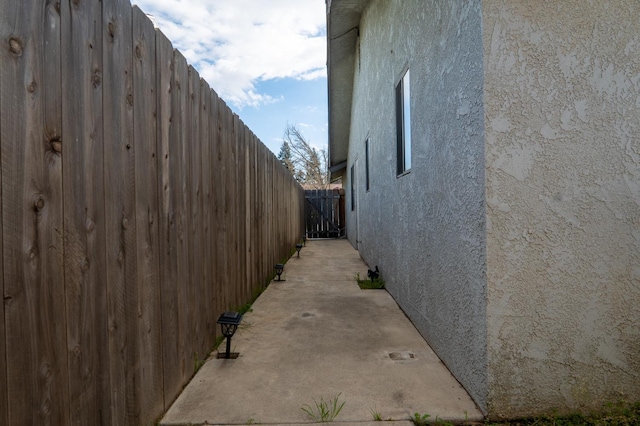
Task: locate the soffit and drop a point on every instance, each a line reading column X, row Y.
column 343, row 19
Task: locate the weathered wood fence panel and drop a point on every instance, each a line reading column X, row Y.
column 167, row 198
column 136, row 208
column 84, row 226
column 32, row 216
column 119, row 178
column 146, row 179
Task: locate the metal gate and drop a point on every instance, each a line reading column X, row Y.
column 325, row 213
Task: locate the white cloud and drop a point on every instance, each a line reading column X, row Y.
column 235, row 44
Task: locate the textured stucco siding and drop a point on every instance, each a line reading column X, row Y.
column 562, row 123
column 426, row 229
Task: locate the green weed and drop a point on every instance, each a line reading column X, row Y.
column 324, row 411
column 376, row 283
column 376, row 416
column 420, row 419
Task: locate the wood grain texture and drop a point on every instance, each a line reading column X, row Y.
column 120, row 212
column 85, row 234
column 180, row 173
column 221, row 206
column 241, row 212
column 4, row 395
column 168, row 131
column 234, row 217
column 216, row 214
column 206, row 300
column 37, row 378
column 194, row 171
column 146, row 171
column 251, row 217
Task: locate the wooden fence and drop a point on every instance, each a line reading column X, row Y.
column 136, row 207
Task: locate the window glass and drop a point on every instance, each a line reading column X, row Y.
column 353, row 187
column 366, row 163
column 403, row 123
column 406, row 113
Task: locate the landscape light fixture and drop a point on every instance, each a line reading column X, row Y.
column 298, row 247
column 279, row 268
column 304, row 240
column 229, row 322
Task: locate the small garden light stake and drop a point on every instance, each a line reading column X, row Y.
column 298, row 247
column 229, row 322
column 279, row 268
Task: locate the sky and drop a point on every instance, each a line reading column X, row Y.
column 265, row 58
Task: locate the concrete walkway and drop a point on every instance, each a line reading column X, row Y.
column 316, row 336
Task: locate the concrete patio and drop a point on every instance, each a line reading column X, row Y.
column 318, row 335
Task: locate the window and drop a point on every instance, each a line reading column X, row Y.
column 403, row 123
column 366, row 163
column 353, row 187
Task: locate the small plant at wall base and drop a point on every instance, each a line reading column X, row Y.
column 324, row 411
column 375, row 284
column 440, row 422
column 197, row 363
column 420, row 419
column 376, row 416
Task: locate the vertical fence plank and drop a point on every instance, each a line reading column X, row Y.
column 4, row 395
column 216, row 214
column 233, row 199
column 241, row 212
column 120, row 215
column 251, row 210
column 85, row 258
column 206, row 299
column 261, row 271
column 168, row 193
column 194, row 143
column 266, row 211
column 181, row 136
column 275, row 211
column 32, row 214
column 263, row 274
column 222, row 191
column 146, row 171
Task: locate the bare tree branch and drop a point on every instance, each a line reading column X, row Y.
column 308, row 165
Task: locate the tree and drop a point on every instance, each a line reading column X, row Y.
column 307, row 164
column 285, row 157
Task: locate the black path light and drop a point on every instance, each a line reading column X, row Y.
column 229, row 322
column 279, row 268
column 374, row 275
column 304, row 240
column 298, row 247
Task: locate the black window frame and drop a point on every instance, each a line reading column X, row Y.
column 353, row 187
column 366, row 164
column 403, row 124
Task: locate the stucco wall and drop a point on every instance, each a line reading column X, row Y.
column 425, row 230
column 562, row 111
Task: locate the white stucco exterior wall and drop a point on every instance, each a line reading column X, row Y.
column 562, row 125
column 426, row 229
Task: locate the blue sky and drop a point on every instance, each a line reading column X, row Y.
column 265, row 58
